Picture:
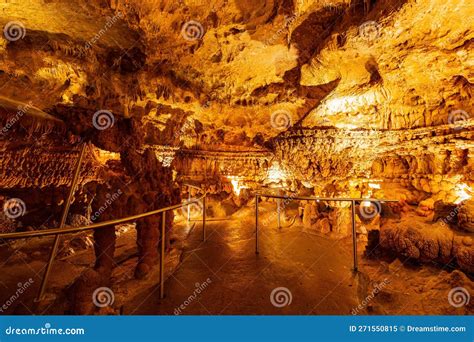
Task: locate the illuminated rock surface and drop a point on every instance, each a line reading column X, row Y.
column 333, row 98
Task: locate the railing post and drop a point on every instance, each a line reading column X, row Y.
column 204, row 218
column 279, row 211
column 256, row 224
column 189, row 200
column 67, row 205
column 354, row 235
column 162, row 255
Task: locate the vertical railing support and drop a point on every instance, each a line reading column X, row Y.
column 162, row 255
column 354, row 235
column 279, row 213
column 189, row 207
column 67, row 205
column 256, row 224
column 204, row 218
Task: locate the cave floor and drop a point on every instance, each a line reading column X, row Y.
column 315, row 270
column 224, row 276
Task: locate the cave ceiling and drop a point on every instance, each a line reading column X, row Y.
column 243, row 71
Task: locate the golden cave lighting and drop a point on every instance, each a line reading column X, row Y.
column 275, row 174
column 463, row 192
column 103, row 156
column 236, row 184
column 374, row 186
column 345, row 126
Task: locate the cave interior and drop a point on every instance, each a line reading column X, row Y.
column 346, row 124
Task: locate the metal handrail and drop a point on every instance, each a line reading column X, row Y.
column 327, row 199
column 62, row 231
column 54, row 231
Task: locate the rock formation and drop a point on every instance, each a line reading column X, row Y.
column 327, row 98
